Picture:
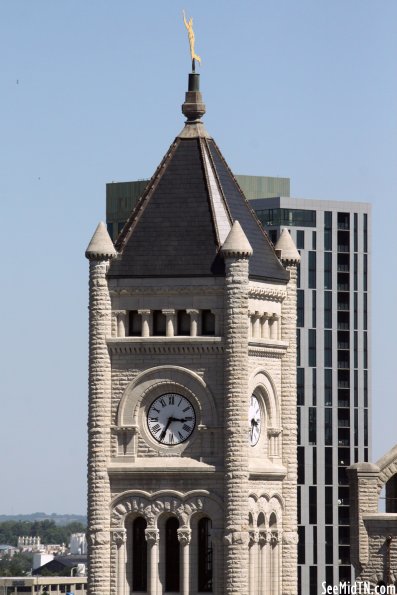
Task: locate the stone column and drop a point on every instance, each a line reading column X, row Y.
column 194, row 322
column 275, row 548
column 99, row 252
column 184, row 535
column 265, row 326
column 256, row 330
column 146, row 322
column 170, row 320
column 236, row 251
column 253, row 562
column 262, row 563
column 152, row 537
column 119, row 538
column 121, row 322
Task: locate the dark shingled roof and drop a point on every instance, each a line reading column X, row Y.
column 173, row 231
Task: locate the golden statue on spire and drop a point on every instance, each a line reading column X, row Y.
column 190, row 32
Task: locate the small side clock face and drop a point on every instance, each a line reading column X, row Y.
column 255, row 420
column 171, row 419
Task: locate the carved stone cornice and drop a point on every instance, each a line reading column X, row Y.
column 273, row 295
column 184, row 535
column 267, row 348
column 164, row 290
column 169, row 345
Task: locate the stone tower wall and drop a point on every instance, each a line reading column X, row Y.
column 289, row 436
column 236, row 426
column 99, row 421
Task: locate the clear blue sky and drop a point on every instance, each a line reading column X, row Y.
column 90, row 93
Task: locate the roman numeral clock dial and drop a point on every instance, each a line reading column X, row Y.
column 171, row 419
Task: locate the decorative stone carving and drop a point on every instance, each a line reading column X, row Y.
column 152, row 536
column 240, row 537
column 119, row 537
column 253, row 537
column 290, row 537
column 184, row 535
column 262, row 538
column 98, row 538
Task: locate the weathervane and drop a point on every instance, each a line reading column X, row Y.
column 190, row 32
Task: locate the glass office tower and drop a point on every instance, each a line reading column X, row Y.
column 333, row 372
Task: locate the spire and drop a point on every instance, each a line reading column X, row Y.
column 236, row 243
column 101, row 246
column 285, row 244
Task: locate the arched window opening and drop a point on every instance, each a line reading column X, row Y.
column 391, row 494
column 139, row 555
column 172, row 566
column 273, row 521
column 261, row 521
column 250, row 520
column 205, row 561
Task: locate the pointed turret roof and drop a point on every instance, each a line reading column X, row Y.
column 287, row 247
column 101, row 245
column 236, row 242
column 187, row 211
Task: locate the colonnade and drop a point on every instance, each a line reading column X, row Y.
column 264, row 563
column 264, row 325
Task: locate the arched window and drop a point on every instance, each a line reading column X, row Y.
column 261, row 521
column 171, row 555
column 204, row 556
column 139, row 555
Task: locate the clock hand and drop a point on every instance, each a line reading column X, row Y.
column 163, row 433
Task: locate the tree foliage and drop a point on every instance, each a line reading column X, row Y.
column 47, row 530
column 19, row 564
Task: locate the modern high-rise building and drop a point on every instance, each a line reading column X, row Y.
column 333, row 371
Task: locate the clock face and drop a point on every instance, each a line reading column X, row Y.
column 254, row 417
column 171, row 419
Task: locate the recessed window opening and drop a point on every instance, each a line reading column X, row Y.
column 207, row 322
column 183, row 323
column 204, row 556
column 172, row 566
column 134, row 324
column 139, row 556
column 159, row 323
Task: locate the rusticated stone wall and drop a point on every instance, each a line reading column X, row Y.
column 236, row 426
column 99, row 421
column 289, row 437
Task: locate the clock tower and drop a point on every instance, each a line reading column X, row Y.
column 192, row 398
